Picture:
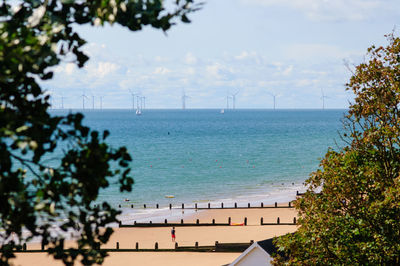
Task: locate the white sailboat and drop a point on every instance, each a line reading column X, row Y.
column 222, row 111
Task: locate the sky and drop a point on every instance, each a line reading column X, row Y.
column 293, row 49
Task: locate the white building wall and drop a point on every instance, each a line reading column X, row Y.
column 256, row 257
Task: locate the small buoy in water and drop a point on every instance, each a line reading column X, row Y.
column 169, row 196
column 127, row 199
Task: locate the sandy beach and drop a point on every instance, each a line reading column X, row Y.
column 186, row 236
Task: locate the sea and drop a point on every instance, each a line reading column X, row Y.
column 205, row 156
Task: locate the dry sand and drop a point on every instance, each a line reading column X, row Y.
column 187, row 236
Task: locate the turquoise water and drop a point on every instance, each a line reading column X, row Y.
column 203, row 155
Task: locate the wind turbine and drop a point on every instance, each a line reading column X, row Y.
column 101, row 102
column 184, row 97
column 133, row 98
column 227, row 100
column 323, row 99
column 143, row 106
column 234, row 99
column 83, row 100
column 274, row 97
column 62, row 101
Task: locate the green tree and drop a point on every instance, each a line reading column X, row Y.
column 36, row 35
column 355, row 219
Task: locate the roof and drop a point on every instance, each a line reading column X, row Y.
column 270, row 247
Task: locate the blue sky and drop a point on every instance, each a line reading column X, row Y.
column 289, row 48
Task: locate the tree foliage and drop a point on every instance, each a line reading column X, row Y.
column 355, row 217
column 36, row 35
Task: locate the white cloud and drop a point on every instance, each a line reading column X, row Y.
column 331, row 10
column 190, row 59
column 161, row 71
column 101, row 69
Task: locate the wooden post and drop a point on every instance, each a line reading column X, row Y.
column 134, row 222
column 229, row 220
column 196, row 245
column 278, row 221
column 24, row 246
column 170, row 206
column 297, row 193
column 276, row 204
column 117, row 246
column 248, row 205
column 119, row 223
column 144, row 206
column 157, row 206
column 209, row 205
column 119, row 205
column 197, row 221
column 294, row 220
column 132, row 206
column 251, row 242
column 183, row 206
column 195, row 205
column 222, row 205
column 235, row 205
column 262, row 205
column 213, row 221
column 216, row 243
column 165, row 221
column 262, row 221
column 181, row 221
column 137, row 245
column 151, row 222
column 290, row 204
column 176, row 245
column 42, row 246
column 245, row 220
column 156, row 246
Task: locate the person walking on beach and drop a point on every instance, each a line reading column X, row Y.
column 173, row 234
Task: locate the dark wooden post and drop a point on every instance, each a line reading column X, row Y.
column 294, row 220
column 119, row 205
column 216, row 243
column 117, row 246
column 248, row 205
column 157, row 206
column 24, row 246
column 132, row 206
column 119, row 223
column 134, row 222
column 137, row 245
column 229, row 220
column 144, row 206
column 297, row 193
column 181, row 221
column 262, row 205
column 251, row 242
column 276, row 204
column 42, row 246
column 290, row 204
column 151, row 222
column 209, row 205
column 262, row 221
column 235, row 205
column 156, row 246
column 196, row 245
column 278, row 221
column 165, row 221
column 245, row 220
column 197, row 221
column 222, row 205
column 183, row 206
column 213, row 221
column 195, row 205
column 176, row 245
column 170, row 206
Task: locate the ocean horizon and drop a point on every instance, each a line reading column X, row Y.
column 200, row 155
